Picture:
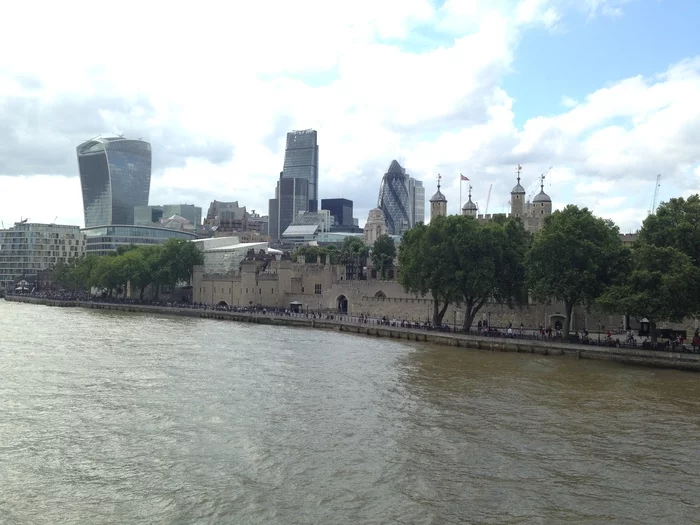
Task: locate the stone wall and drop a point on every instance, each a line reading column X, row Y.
column 322, row 287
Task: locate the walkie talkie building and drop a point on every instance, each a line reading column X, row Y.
column 115, row 176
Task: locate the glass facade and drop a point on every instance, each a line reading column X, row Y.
column 417, row 196
column 293, row 199
column 301, row 162
column 102, row 240
column 28, row 248
column 341, row 209
column 395, row 200
column 115, row 176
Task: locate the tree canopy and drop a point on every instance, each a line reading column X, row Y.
column 675, row 224
column 663, row 285
column 158, row 265
column 458, row 260
column 383, row 254
column 574, row 258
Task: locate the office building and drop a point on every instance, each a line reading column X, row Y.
column 115, row 177
column 395, row 200
column 416, row 193
column 291, row 198
column 301, row 162
column 28, row 248
column 149, row 215
column 102, row 240
column 341, row 211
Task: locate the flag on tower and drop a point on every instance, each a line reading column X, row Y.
column 462, row 177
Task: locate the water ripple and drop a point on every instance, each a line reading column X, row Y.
column 123, row 418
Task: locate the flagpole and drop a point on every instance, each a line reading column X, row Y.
column 459, row 210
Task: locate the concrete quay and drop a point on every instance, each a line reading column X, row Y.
column 640, row 357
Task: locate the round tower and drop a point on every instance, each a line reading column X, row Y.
column 438, row 203
column 517, row 198
column 470, row 209
column 541, row 204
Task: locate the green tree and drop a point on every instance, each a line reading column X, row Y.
column 574, row 258
column 354, row 254
column 663, row 285
column 136, row 270
column 428, row 265
column 108, row 273
column 489, row 261
column 383, row 253
column 675, row 224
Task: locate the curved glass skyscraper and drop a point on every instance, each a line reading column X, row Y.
column 115, row 176
column 395, row 200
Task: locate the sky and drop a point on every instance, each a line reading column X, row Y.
column 605, row 92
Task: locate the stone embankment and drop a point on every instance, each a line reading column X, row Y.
column 642, row 357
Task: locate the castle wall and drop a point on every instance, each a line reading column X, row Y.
column 319, row 288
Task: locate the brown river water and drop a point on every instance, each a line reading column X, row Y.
column 129, row 418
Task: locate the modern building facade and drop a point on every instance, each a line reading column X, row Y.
column 416, row 194
column 301, row 162
column 115, row 177
column 28, row 248
column 395, row 200
column 150, row 215
column 341, row 211
column 102, row 240
column 291, row 199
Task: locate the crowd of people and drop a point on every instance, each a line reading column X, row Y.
column 483, row 327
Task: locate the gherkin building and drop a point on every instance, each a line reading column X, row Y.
column 395, row 200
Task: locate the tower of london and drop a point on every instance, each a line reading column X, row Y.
column 531, row 213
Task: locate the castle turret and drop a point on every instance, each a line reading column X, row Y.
column 470, row 209
column 517, row 198
column 542, row 203
column 438, row 203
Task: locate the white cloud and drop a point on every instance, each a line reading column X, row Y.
column 216, row 88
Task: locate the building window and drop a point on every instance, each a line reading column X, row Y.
column 260, row 291
column 317, row 289
column 246, row 290
column 272, row 290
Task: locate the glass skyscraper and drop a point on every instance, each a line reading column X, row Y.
column 301, row 162
column 395, row 200
column 115, row 176
column 416, row 193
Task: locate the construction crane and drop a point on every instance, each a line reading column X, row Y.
column 542, row 177
column 652, row 210
column 488, row 199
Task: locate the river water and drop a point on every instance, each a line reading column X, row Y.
column 128, row 418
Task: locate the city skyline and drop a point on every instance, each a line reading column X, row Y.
column 485, row 86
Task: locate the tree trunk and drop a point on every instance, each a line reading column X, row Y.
column 566, row 329
column 439, row 312
column 652, row 331
column 472, row 308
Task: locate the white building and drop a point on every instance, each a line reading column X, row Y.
column 223, row 255
column 27, row 248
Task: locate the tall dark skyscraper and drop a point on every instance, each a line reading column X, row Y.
column 115, row 176
column 301, row 161
column 291, row 198
column 341, row 209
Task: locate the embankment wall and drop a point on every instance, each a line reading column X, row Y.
column 642, row 357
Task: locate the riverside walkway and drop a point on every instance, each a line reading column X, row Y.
column 375, row 328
